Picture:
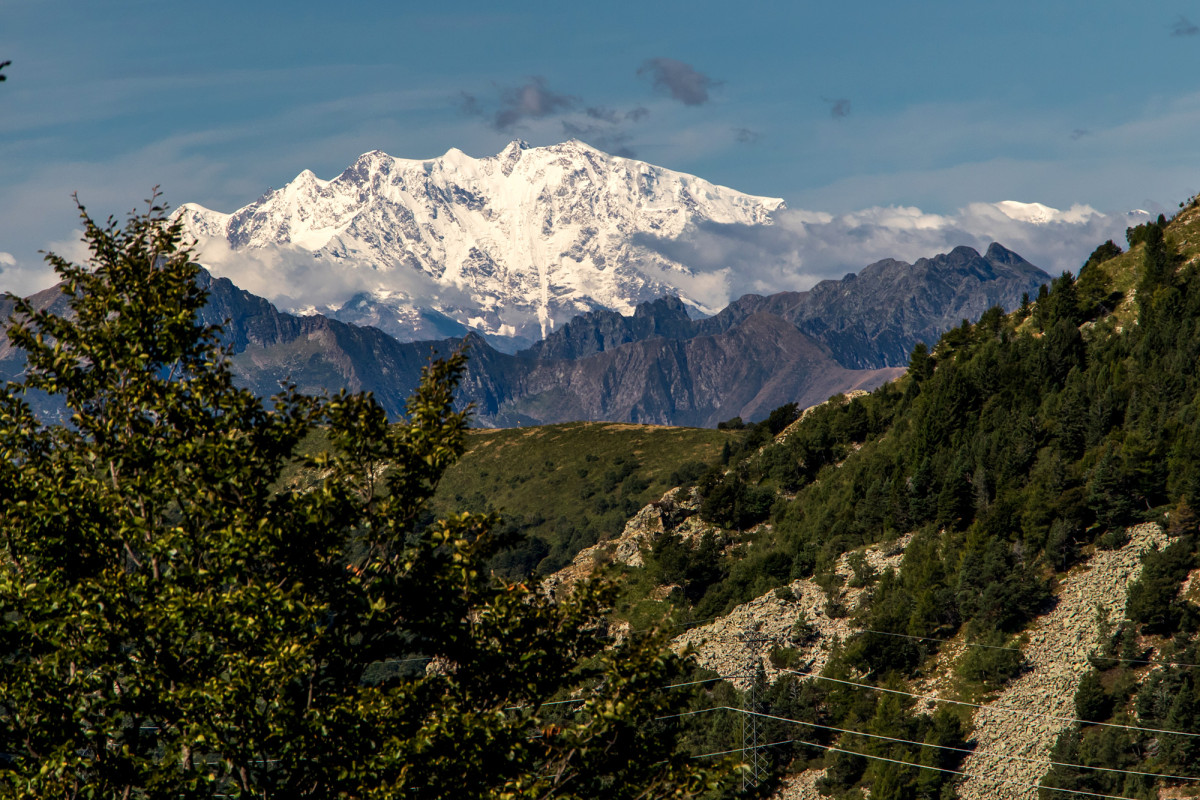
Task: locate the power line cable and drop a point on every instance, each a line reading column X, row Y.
column 947, row 747
column 960, row 773
column 739, row 749
column 1019, row 650
column 1016, row 711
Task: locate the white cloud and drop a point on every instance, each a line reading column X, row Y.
column 295, row 278
column 23, row 279
column 803, row 247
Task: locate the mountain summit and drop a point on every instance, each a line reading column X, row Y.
column 511, row 245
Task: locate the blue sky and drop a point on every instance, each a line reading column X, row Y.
column 832, row 106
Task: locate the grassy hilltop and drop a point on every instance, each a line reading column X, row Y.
column 567, row 486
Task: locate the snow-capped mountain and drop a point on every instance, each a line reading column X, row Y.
column 1039, row 214
column 510, row 245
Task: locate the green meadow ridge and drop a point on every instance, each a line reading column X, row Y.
column 597, row 473
column 947, row 518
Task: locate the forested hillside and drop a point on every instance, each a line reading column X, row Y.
column 1015, row 452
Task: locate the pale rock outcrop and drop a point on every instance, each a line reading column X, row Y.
column 733, row 645
column 800, row 786
column 674, row 511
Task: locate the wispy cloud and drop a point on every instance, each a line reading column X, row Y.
column 839, row 107
column 615, row 116
column 534, row 102
column 530, row 100
column 1184, row 27
column 604, row 114
column 746, row 135
column 678, row 80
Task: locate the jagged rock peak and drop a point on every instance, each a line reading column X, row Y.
column 669, row 307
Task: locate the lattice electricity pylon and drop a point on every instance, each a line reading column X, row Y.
column 756, row 766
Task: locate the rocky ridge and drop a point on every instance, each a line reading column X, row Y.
column 734, row 644
column 787, row 432
column 675, row 511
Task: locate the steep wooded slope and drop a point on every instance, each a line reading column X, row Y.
column 1022, row 454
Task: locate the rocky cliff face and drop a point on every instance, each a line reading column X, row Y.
column 757, row 365
column 597, row 331
column 872, row 319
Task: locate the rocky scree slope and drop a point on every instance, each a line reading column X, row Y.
column 1013, row 748
column 1012, row 733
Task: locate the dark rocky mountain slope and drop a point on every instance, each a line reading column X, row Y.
column 656, row 366
column 868, row 320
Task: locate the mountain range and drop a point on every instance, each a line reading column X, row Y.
column 657, row 365
column 530, row 259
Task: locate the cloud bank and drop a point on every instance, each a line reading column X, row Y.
column 292, row 278
column 804, row 247
column 799, row 249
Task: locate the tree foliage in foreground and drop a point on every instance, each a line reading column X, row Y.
column 175, row 623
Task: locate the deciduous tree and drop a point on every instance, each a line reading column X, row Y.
column 179, row 619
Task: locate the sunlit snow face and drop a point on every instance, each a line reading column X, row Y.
column 532, row 236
